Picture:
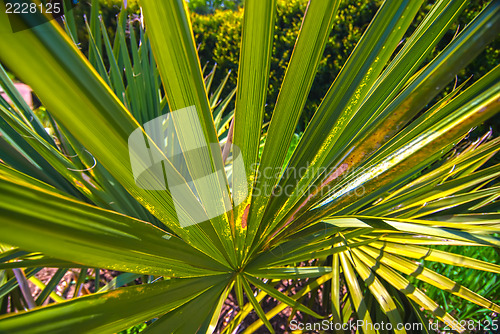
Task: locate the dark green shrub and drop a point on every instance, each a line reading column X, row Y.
column 209, row 6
